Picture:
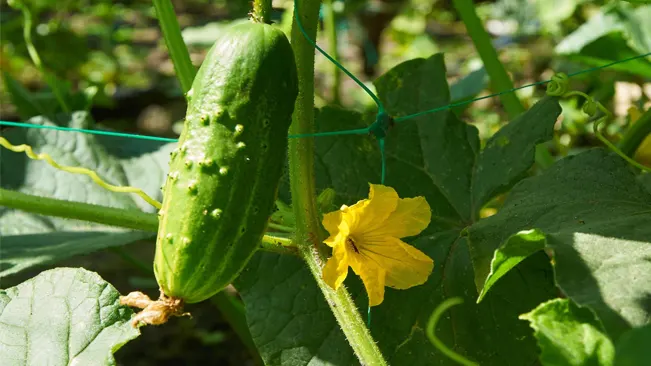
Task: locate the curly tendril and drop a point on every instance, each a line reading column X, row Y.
column 431, row 326
column 558, row 87
column 78, row 170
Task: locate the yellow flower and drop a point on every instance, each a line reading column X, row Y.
column 366, row 237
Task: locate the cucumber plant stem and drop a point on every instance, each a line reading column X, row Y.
column 500, row 79
column 130, row 219
column 330, row 27
column 635, row 134
column 49, row 79
column 302, row 182
column 179, row 54
column 262, row 11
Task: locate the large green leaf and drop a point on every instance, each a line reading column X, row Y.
column 64, row 316
column 118, row 161
column 26, row 104
column 615, row 33
column 596, row 218
column 552, row 13
column 633, row 347
column 433, row 156
column 288, row 317
column 23, row 251
column 570, row 335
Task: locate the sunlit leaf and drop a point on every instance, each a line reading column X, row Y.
column 124, row 162
column 64, row 316
column 592, row 214
column 569, row 335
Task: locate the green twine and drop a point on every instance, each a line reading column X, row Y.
column 377, row 125
column 90, row 132
column 361, row 131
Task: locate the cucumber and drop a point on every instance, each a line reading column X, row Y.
column 224, row 174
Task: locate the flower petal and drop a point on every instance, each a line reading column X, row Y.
column 331, row 222
column 411, row 216
column 405, row 265
column 336, row 269
column 367, row 215
column 416, row 273
column 373, row 277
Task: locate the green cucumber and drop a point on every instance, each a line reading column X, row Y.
column 224, row 174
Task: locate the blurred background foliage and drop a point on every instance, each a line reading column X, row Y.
column 109, row 57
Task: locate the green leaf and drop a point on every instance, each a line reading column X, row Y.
column 596, row 219
column 616, row 33
column 633, row 347
column 569, row 335
column 440, row 136
column 551, row 13
column 516, row 249
column 448, row 149
column 24, row 251
column 488, row 333
column 27, row 105
column 64, row 316
column 468, row 87
column 645, row 180
column 118, row 161
column 289, row 319
column 45, row 103
column 511, row 151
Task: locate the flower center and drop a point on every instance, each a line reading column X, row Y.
column 351, row 242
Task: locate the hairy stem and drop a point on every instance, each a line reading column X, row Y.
column 500, row 79
column 262, row 11
column 330, row 26
column 302, row 181
column 129, row 219
column 635, row 134
column 179, row 54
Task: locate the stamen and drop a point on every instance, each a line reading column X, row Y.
column 351, row 242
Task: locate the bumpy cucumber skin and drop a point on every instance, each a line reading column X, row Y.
column 224, row 174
